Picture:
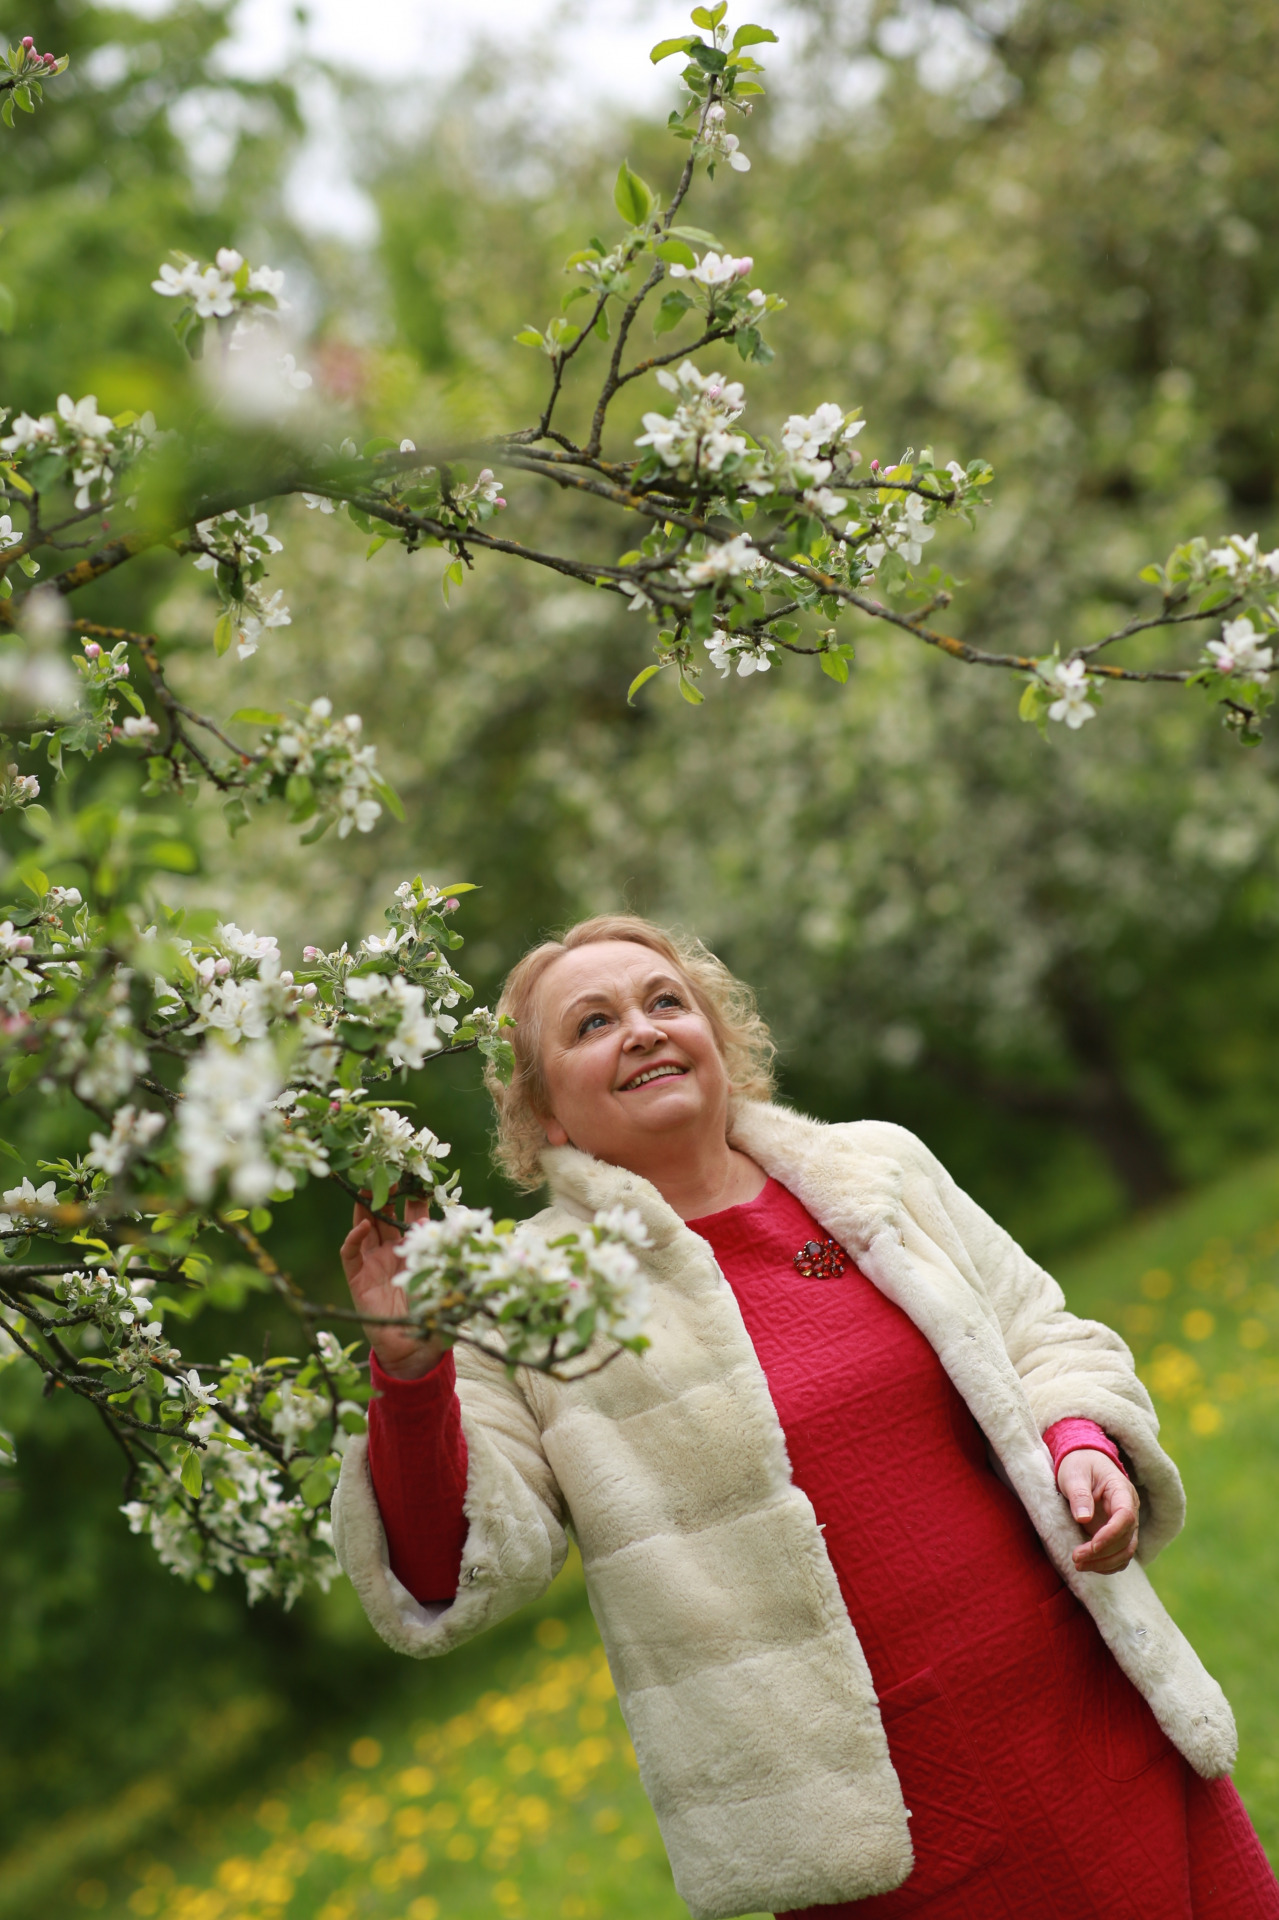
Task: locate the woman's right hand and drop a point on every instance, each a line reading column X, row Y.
column 371, row 1258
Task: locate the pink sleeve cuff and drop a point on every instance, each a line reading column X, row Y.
column 1068, row 1436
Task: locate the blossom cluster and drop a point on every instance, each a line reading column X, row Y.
column 225, row 288
column 23, row 70
column 88, row 445
column 235, row 548
column 524, row 1300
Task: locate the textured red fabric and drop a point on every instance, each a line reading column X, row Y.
column 417, row 1460
column 1068, row 1436
column 1040, row 1785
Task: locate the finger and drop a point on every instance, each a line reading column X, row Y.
column 415, row 1210
column 1116, row 1542
column 1075, row 1482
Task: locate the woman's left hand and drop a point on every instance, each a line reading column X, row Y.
column 1103, row 1501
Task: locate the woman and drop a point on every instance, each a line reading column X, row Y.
column 850, row 1598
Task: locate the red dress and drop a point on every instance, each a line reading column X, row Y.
column 1039, row 1783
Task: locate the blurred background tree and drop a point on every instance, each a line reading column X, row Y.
column 1046, row 234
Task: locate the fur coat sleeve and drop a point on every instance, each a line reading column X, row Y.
column 515, row 1544
column 1066, row 1365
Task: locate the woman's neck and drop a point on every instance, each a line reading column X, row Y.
column 695, row 1183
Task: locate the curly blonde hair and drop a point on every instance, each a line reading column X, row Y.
column 745, row 1044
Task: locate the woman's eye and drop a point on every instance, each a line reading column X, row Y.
column 590, row 1022
column 668, row 1000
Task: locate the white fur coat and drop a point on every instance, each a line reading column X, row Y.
column 742, row 1681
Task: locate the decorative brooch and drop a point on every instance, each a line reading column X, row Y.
column 821, row 1259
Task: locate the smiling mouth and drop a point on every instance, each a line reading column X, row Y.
column 645, row 1079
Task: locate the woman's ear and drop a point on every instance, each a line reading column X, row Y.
column 555, row 1133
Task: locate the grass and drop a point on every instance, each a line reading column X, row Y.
column 506, row 1790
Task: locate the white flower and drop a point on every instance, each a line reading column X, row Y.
column 904, row 531
column 757, row 298
column 294, row 375
column 267, row 280
column 1239, row 650
column 822, row 500
column 131, row 1130
column 714, row 270
column 1070, row 677
column 229, row 260
column 956, row 473
column 10, row 536
column 804, row 435
column 751, row 655
column 228, row 1094
column 45, row 1196
column 723, row 562
column 320, row 500
column 1236, row 554
column 246, row 946
column 417, row 1033
column 724, row 146
column 139, row 727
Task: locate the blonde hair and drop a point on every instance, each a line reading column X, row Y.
column 745, row 1044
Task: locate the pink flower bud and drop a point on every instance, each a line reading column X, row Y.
column 92, row 650
column 286, row 978
column 451, row 906
column 310, row 990
column 874, row 466
column 486, row 473
column 312, row 953
column 50, row 59
column 123, row 669
column 24, row 943
column 222, row 968
column 499, row 503
column 28, row 43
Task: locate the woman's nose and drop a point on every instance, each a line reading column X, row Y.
column 640, row 1032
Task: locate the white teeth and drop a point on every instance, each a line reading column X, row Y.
column 658, row 1073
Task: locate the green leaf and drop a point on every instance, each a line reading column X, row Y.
column 122, row 687
column 453, row 577
column 641, row 679
column 11, row 1151
column 223, row 634
column 632, row 197
column 1029, row 705
column 36, row 882
column 6, row 111
column 390, row 798
column 256, row 717
column 316, row 1490
column 31, row 568
column 709, row 17
column 676, row 250
column 381, row 1188
column 710, row 60
column 671, row 310
column 691, row 693
column 530, row 337
column 701, row 236
column 834, row 665
column 24, row 1071
column 747, row 36
column 192, row 1476
column 665, row 48
column 376, row 545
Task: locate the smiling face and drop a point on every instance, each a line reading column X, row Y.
column 629, row 1060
